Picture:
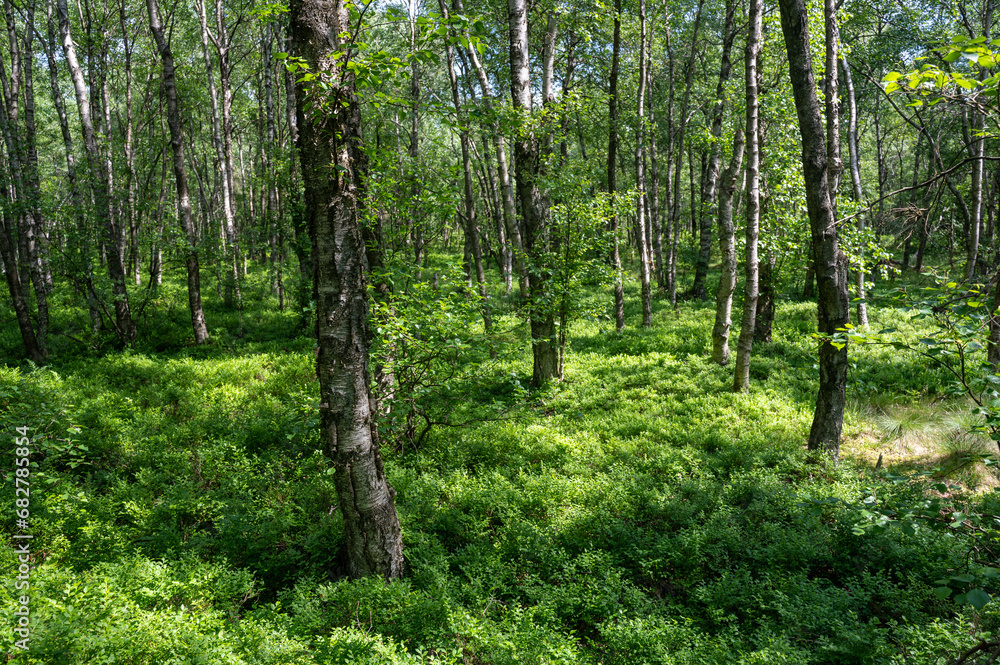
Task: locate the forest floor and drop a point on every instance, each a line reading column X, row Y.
column 636, row 512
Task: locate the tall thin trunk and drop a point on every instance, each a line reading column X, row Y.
column 528, row 159
column 470, row 197
column 28, row 194
column 750, row 288
column 180, row 175
column 616, row 261
column 857, row 194
column 99, row 182
column 514, row 227
column 679, row 145
column 273, row 221
column 7, row 254
column 698, row 290
column 727, row 245
column 329, row 123
column 830, row 262
column 640, row 175
column 78, row 247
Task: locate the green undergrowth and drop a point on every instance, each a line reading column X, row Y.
column 636, row 512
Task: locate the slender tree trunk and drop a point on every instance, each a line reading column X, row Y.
column 640, row 176
column 699, row 290
column 616, row 261
column 830, row 262
column 727, row 243
column 180, row 175
column 329, row 122
column 8, row 254
column 512, row 223
column 528, row 159
column 766, row 300
column 857, row 194
column 124, row 327
column 679, row 146
column 23, row 159
column 78, row 248
column 470, row 197
column 741, row 381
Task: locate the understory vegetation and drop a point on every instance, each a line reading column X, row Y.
column 636, row 512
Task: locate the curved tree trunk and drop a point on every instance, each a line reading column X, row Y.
column 830, row 262
column 329, row 122
column 180, row 175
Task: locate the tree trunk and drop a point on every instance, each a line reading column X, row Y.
column 469, row 216
column 329, row 121
column 616, row 261
column 678, row 150
column 857, row 194
column 514, row 229
column 528, row 159
column 100, row 179
column 727, row 243
column 830, row 262
column 698, row 290
column 766, row 300
column 180, row 175
column 640, row 176
column 7, row 254
column 741, row 382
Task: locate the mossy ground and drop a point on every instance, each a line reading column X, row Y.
column 636, row 512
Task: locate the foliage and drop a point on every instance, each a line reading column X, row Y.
column 637, row 512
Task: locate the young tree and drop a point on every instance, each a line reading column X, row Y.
column 708, row 191
column 100, row 176
column 640, row 176
column 616, row 261
column 741, row 382
column 329, row 123
column 830, row 263
column 727, row 243
column 180, row 175
column 528, row 164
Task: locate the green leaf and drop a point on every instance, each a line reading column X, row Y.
column 964, row 578
column 942, row 592
column 978, row 598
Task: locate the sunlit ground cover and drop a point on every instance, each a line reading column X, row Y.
column 636, row 512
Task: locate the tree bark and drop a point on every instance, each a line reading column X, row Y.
column 534, row 203
column 727, row 243
column 708, row 191
column 640, row 176
column 857, row 194
column 469, row 215
column 514, row 230
column 830, row 262
column 124, row 326
column 741, row 382
column 180, row 175
column 679, row 149
column 616, row 261
column 329, row 121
